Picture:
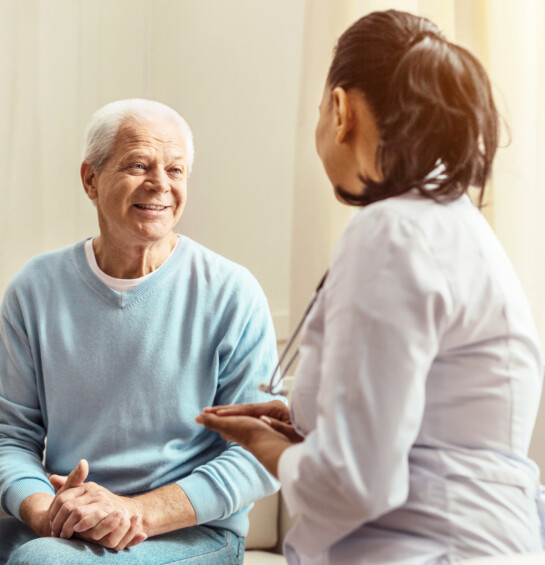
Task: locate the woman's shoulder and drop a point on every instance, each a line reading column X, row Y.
column 412, row 212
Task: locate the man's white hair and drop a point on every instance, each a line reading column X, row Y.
column 105, row 122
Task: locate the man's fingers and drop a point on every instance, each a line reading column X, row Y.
column 110, row 531
column 68, row 527
column 134, row 536
column 61, row 508
column 75, row 478
column 78, row 475
column 105, row 527
column 94, row 515
column 57, row 481
column 138, row 538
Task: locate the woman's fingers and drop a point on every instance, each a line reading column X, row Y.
column 285, row 429
column 244, row 430
column 230, row 428
column 274, row 409
column 253, row 434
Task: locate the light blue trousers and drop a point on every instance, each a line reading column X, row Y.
column 199, row 545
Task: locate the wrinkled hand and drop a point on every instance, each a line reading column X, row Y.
column 255, row 434
column 93, row 513
column 34, row 512
column 274, row 413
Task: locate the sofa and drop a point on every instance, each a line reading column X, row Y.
column 269, row 523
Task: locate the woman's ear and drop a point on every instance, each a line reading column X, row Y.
column 88, row 179
column 342, row 113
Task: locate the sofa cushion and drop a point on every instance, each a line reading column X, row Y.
column 256, row 557
column 263, row 533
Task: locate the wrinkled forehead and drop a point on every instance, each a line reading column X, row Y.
column 158, row 135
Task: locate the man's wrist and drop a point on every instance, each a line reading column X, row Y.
column 164, row 510
column 34, row 512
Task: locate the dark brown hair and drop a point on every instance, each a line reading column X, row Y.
column 432, row 101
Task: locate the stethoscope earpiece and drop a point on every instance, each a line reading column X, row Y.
column 264, row 387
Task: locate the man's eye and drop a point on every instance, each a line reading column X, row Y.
column 177, row 170
column 136, row 167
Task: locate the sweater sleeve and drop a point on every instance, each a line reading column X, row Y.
column 21, row 427
column 234, row 479
column 384, row 303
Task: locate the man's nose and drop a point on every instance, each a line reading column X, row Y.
column 158, row 180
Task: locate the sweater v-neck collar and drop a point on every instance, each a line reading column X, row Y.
column 124, row 299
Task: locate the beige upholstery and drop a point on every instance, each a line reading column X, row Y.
column 255, row 557
column 266, row 533
column 263, row 533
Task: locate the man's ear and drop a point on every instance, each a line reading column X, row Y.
column 342, row 113
column 88, row 179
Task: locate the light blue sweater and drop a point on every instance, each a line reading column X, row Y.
column 118, row 378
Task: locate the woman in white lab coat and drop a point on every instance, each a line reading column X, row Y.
column 420, row 369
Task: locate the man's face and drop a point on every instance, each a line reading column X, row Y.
column 141, row 191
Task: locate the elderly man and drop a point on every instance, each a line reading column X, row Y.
column 110, row 348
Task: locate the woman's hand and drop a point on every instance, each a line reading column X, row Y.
column 274, row 413
column 253, row 432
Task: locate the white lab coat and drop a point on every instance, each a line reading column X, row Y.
column 417, row 389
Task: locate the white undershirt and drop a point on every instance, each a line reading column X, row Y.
column 121, row 285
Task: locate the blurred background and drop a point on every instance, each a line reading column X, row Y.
column 248, row 76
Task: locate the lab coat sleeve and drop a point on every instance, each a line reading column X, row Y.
column 385, row 302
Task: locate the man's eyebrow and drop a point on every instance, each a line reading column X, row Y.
column 135, row 154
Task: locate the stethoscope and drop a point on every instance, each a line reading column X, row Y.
column 438, row 173
column 275, row 381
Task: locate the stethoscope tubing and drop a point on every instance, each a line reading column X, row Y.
column 274, row 381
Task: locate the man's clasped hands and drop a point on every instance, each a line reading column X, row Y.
column 90, row 512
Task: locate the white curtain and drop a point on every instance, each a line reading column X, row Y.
column 508, row 36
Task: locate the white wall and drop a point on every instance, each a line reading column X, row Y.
column 230, row 67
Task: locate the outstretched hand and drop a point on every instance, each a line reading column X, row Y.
column 274, row 413
column 92, row 513
column 264, row 429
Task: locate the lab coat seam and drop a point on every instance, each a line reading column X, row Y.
column 440, row 267
column 507, row 332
